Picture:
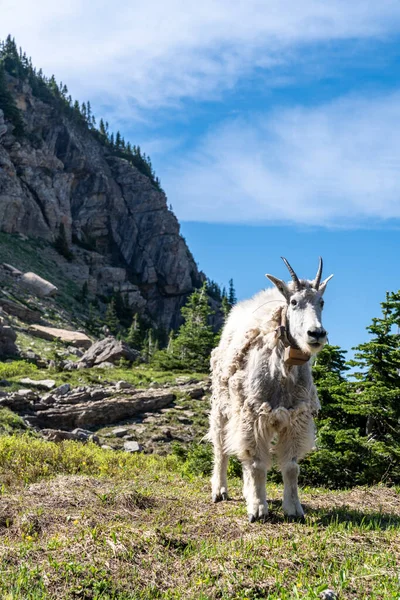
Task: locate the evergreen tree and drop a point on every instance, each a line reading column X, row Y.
column 150, row 345
column 134, row 337
column 232, row 293
column 7, row 104
column 92, row 322
column 336, row 461
column 376, row 392
column 191, row 347
column 111, row 318
column 225, row 306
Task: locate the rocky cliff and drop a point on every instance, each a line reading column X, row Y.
column 121, row 232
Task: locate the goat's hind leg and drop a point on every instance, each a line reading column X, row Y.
column 219, row 480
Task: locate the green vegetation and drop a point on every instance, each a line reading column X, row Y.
column 77, row 521
column 191, row 347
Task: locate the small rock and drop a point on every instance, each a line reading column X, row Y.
column 81, row 434
column 69, row 365
column 62, row 389
column 132, row 447
column 106, row 447
column 123, row 385
column 119, row 432
column 104, row 365
column 328, row 594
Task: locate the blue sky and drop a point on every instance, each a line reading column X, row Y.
column 273, row 125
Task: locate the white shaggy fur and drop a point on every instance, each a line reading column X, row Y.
column 259, row 405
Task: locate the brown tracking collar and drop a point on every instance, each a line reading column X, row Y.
column 293, row 355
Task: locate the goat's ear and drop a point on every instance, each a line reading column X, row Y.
column 281, row 285
column 322, row 285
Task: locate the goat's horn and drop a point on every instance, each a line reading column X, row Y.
column 317, row 279
column 293, row 275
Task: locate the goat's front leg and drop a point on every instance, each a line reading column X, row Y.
column 291, row 502
column 254, row 489
column 292, row 445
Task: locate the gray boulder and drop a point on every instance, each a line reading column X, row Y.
column 109, row 350
column 132, row 447
column 37, row 285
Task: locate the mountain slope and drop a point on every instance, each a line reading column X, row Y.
column 58, row 178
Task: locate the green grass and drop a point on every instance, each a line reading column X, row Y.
column 141, row 376
column 80, row 522
column 10, row 422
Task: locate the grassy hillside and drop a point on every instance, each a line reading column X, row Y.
column 80, row 522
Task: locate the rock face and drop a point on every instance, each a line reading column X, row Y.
column 7, row 340
column 108, row 350
column 60, row 174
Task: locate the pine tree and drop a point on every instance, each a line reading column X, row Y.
column 92, row 322
column 191, row 347
column 376, row 392
column 111, row 318
column 225, row 306
column 232, row 293
column 336, row 462
column 134, row 337
column 7, row 104
column 102, row 128
column 150, row 345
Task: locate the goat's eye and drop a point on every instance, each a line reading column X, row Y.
column 322, row 302
column 293, row 302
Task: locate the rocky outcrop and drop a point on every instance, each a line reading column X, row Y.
column 85, row 407
column 108, row 350
column 118, row 222
column 7, row 340
column 74, row 338
column 19, row 310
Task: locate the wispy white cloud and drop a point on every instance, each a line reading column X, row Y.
column 333, row 165
column 159, row 52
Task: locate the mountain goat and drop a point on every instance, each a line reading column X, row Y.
column 263, row 395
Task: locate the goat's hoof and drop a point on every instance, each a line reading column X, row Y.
column 219, row 496
column 261, row 515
